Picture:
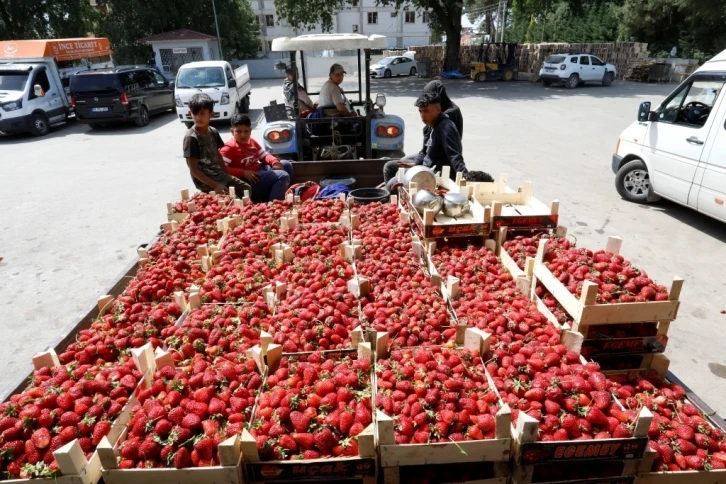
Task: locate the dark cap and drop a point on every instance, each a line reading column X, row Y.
column 336, row 68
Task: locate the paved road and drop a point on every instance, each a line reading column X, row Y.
column 77, row 203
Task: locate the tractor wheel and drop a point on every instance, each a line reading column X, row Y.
column 508, row 75
column 481, row 77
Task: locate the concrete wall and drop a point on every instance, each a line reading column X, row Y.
column 315, row 67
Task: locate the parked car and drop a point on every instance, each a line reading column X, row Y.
column 403, row 65
column 575, row 69
column 125, row 94
column 230, row 89
column 678, row 151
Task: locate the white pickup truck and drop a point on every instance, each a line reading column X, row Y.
column 230, row 89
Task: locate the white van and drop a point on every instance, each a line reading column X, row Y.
column 230, row 89
column 678, row 151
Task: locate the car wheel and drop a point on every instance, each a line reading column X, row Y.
column 413, row 72
column 143, row 119
column 481, row 77
column 633, row 182
column 573, row 81
column 608, row 79
column 387, row 73
column 546, row 83
column 188, row 124
column 39, row 124
column 246, row 104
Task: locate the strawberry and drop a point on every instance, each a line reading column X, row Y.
column 363, row 414
column 346, row 422
column 191, row 421
column 685, row 447
column 684, row 432
column 181, row 458
column 149, row 450
column 130, row 449
column 288, row 442
column 596, row 417
column 324, row 440
column 204, row 448
column 41, row 438
column 304, row 440
column 100, row 430
column 31, row 453
column 694, row 462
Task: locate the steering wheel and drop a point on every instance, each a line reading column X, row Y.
column 696, row 112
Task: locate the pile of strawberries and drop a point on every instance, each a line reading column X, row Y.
column 321, row 211
column 186, row 412
column 436, row 394
column 313, row 406
column 680, row 434
column 519, row 247
column 62, row 404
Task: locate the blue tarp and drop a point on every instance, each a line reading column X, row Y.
column 456, row 74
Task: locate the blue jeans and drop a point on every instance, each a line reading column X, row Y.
column 272, row 184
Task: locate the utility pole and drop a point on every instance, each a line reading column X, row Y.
column 216, row 24
column 504, row 21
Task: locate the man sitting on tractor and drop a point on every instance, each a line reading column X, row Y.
column 441, row 147
column 332, row 99
column 288, row 89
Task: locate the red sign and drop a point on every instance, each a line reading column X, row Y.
column 529, row 222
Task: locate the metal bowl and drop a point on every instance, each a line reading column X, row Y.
column 455, row 205
column 423, row 177
column 424, row 199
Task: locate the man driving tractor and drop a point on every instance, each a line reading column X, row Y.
column 441, row 146
column 332, row 98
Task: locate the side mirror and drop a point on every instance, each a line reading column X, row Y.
column 232, row 82
column 172, row 84
column 644, row 112
column 39, row 92
column 380, row 100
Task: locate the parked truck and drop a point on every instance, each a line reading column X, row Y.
column 34, row 76
column 229, row 88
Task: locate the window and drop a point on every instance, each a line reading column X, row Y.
column 41, row 79
column 425, row 17
column 596, row 61
column 160, row 80
column 410, row 17
column 372, row 17
column 692, row 104
column 573, row 60
column 270, row 20
column 355, row 28
column 394, row 14
column 555, row 59
column 269, row 46
column 585, row 60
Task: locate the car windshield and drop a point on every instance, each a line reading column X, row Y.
column 199, row 77
column 94, row 82
column 555, row 59
column 13, row 81
column 386, row 61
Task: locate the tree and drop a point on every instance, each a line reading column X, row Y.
column 131, row 20
column 40, row 19
column 444, row 15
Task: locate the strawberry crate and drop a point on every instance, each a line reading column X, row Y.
column 229, row 470
column 585, row 311
column 396, row 458
column 535, row 461
column 360, row 468
column 74, row 467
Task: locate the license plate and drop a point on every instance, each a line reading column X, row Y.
column 549, row 69
column 99, row 110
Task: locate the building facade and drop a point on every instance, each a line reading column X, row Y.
column 402, row 27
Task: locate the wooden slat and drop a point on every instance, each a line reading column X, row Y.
column 445, row 453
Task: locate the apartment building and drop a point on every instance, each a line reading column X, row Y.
column 403, row 27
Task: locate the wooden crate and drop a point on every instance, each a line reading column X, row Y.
column 585, row 312
column 74, row 467
column 364, row 467
column 395, row 457
column 528, row 453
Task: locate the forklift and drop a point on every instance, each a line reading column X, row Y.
column 496, row 61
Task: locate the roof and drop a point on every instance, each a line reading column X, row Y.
column 59, row 49
column 716, row 63
column 312, row 42
column 177, row 35
column 204, row 64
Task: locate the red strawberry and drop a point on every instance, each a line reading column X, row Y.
column 130, row 449
column 205, row 448
column 684, row 432
column 149, row 450
column 182, row 458
column 346, row 421
column 41, row 438
column 596, row 417
column 311, row 454
column 176, row 415
column 363, row 414
column 100, row 430
column 686, row 447
column 304, row 440
column 694, row 462
column 325, row 440
column 288, row 442
column 191, row 421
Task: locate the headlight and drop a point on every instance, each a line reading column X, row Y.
column 278, row 135
column 225, row 98
column 388, row 131
column 179, row 102
column 13, row 105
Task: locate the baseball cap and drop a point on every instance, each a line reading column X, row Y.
column 336, row 68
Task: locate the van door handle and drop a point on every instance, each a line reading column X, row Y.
column 694, row 141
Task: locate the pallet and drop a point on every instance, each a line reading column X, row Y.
column 585, row 312
column 395, row 457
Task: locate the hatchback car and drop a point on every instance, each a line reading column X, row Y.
column 120, row 95
column 575, row 69
column 394, row 66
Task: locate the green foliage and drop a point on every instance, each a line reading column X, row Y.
column 131, row 20
column 40, row 19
